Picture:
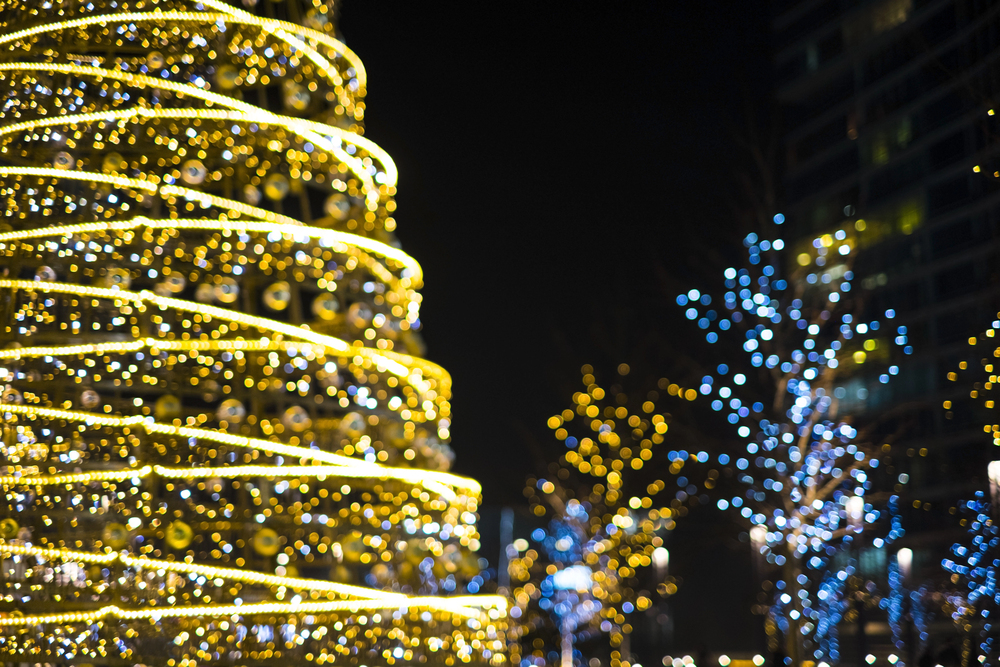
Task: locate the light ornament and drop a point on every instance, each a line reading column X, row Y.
column 905, row 604
column 805, row 356
column 194, row 475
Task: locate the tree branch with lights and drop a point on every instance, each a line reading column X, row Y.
column 579, row 578
column 799, row 344
column 975, row 601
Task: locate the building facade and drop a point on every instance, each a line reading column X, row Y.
column 889, row 131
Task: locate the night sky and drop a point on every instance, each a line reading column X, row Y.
column 560, row 164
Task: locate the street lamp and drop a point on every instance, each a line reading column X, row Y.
column 855, row 510
column 993, row 470
column 661, row 560
column 573, row 585
column 904, row 558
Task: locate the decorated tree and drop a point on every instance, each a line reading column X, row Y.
column 580, row 576
column 220, row 443
column 973, row 568
column 800, row 353
column 977, row 373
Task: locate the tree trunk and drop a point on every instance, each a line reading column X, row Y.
column 793, row 638
column 566, row 633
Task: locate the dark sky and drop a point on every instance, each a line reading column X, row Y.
column 555, row 158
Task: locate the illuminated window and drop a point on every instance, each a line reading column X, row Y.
column 910, row 217
column 889, row 14
column 875, row 20
column 880, row 150
column 872, row 562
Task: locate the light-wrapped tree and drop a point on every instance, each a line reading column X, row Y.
column 580, row 577
column 973, row 567
column 220, row 444
column 793, row 369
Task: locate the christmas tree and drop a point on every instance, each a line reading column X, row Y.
column 221, row 444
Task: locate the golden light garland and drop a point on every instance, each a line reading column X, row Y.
column 985, row 370
column 607, row 522
column 220, row 442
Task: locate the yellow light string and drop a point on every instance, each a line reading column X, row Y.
column 235, row 207
column 236, row 345
column 93, row 176
column 328, row 237
column 345, row 470
column 280, row 29
column 154, row 345
column 284, row 224
column 307, row 129
column 395, row 363
column 152, row 186
column 359, row 593
column 230, row 574
column 445, row 484
column 334, row 45
column 187, row 611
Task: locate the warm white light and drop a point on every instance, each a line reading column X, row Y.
column 993, row 470
column 661, row 558
column 904, row 557
column 575, row 578
column 855, row 509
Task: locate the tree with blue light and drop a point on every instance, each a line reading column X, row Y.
column 975, row 605
column 802, row 354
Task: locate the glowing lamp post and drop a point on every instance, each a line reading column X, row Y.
column 661, row 561
column 573, row 581
column 904, row 557
column 994, row 473
column 856, row 511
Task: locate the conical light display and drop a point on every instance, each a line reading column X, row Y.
column 220, row 444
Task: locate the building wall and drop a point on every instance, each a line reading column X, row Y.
column 886, row 116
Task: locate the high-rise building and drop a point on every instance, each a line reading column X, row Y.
column 889, row 132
